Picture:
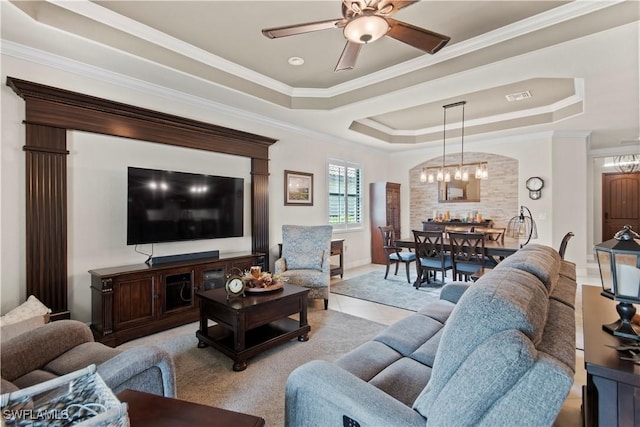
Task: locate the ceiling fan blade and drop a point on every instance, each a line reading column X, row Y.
column 397, row 5
column 417, row 37
column 349, row 56
column 292, row 30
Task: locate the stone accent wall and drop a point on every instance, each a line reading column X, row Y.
column 498, row 194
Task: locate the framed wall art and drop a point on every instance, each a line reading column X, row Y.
column 298, row 188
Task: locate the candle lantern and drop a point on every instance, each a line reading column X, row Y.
column 619, row 263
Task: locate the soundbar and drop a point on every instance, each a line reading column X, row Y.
column 182, row 257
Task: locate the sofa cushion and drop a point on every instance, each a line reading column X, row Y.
column 488, row 372
column 565, row 292
column 305, row 247
column 80, row 357
column 404, row 379
column 568, row 269
column 541, row 261
column 34, row 377
column 7, row 387
column 368, row 359
column 409, row 334
column 559, row 333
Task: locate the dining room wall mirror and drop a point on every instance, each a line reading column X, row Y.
column 459, row 191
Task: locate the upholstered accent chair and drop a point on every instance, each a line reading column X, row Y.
column 305, row 259
column 61, row 347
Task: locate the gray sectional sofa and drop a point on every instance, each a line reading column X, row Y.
column 498, row 352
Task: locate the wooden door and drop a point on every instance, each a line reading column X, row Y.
column 620, row 202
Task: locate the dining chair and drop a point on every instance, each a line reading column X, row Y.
column 395, row 255
column 432, row 256
column 491, row 233
column 563, row 244
column 467, row 254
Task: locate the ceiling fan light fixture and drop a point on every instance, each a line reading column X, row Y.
column 366, row 29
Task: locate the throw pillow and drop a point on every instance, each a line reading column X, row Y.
column 30, row 308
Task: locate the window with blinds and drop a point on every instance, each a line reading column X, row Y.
column 345, row 194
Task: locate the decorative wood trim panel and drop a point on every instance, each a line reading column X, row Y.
column 50, row 112
column 46, row 215
column 260, row 207
column 49, row 106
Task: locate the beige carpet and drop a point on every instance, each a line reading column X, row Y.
column 206, row 376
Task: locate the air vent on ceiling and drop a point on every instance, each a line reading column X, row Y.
column 519, row 96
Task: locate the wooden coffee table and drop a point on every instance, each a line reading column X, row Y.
column 150, row 410
column 246, row 326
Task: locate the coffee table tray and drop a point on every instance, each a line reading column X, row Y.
column 271, row 288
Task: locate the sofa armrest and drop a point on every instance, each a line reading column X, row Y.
column 33, row 349
column 453, row 291
column 148, row 368
column 319, row 392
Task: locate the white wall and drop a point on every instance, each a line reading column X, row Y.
column 97, row 204
column 97, row 183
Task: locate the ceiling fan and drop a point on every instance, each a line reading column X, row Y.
column 363, row 22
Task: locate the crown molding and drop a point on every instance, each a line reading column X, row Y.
column 554, row 16
column 64, row 64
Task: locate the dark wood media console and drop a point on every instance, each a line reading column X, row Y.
column 132, row 301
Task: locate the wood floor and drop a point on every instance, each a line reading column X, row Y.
column 570, row 414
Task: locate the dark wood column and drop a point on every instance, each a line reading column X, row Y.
column 260, row 206
column 50, row 112
column 46, row 215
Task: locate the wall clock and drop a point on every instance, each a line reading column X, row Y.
column 534, row 185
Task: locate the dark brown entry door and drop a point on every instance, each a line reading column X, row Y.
column 620, row 202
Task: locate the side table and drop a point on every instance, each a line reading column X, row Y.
column 145, row 409
column 337, row 249
column 611, row 396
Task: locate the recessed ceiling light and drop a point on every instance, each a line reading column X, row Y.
column 518, row 96
column 296, row 61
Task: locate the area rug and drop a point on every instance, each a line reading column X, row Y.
column 205, row 375
column 394, row 291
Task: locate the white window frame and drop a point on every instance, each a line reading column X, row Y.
column 359, row 195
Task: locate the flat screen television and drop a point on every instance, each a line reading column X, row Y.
column 168, row 206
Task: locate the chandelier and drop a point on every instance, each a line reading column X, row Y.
column 443, row 174
column 627, row 163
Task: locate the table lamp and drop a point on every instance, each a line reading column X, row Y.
column 619, row 264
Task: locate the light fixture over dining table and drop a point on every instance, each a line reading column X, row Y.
column 443, row 174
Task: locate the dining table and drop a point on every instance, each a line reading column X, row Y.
column 497, row 249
